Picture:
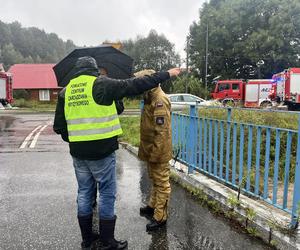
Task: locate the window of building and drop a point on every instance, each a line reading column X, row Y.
column 44, row 95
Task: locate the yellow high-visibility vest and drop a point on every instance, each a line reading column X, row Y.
column 87, row 120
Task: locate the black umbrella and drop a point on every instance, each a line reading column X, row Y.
column 117, row 64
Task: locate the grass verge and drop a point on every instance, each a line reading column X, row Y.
column 131, row 129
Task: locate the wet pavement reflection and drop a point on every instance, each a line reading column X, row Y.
column 190, row 226
column 38, row 199
column 5, row 122
column 5, row 128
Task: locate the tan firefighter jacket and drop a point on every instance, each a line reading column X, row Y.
column 155, row 130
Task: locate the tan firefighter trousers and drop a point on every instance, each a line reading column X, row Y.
column 159, row 174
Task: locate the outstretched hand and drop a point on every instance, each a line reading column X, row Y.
column 175, row 71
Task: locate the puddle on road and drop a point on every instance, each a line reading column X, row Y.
column 6, row 122
column 6, row 131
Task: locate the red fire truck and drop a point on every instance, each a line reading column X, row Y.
column 250, row 93
column 6, row 96
column 287, row 88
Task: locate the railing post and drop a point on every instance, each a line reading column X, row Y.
column 192, row 140
column 228, row 144
column 141, row 105
column 296, row 198
column 228, row 115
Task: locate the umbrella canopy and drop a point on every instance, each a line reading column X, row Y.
column 117, row 64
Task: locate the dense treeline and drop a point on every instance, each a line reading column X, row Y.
column 243, row 34
column 30, row 45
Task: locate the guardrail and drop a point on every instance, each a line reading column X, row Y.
column 261, row 161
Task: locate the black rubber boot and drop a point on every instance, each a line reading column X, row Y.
column 154, row 225
column 88, row 237
column 107, row 235
column 147, row 211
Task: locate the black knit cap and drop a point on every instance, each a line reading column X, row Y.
column 87, row 62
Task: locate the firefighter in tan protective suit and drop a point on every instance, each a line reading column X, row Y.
column 156, row 149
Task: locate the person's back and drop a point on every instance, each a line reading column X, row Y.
column 155, row 129
column 105, row 91
column 86, row 117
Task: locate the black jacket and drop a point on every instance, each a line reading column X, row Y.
column 105, row 91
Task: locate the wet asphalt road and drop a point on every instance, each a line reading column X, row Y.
column 38, row 193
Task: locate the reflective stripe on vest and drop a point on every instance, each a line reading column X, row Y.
column 87, row 120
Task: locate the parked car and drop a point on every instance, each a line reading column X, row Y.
column 182, row 101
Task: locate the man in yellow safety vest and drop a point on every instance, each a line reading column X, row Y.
column 86, row 117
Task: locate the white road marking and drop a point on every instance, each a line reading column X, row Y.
column 32, row 145
column 29, row 136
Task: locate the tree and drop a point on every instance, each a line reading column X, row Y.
column 30, row 45
column 193, row 85
column 10, row 55
column 243, row 32
column 152, row 52
column 5, row 34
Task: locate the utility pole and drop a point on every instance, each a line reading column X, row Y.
column 259, row 74
column 206, row 56
column 259, row 64
column 187, row 59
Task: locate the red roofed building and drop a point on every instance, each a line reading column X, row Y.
column 37, row 79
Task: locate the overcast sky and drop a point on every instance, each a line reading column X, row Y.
column 90, row 22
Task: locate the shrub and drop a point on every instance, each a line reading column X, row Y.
column 21, row 94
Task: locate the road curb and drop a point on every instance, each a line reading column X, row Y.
column 269, row 224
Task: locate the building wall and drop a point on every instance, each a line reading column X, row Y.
column 34, row 94
column 54, row 95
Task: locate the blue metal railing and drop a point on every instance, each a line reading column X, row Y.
column 256, row 159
